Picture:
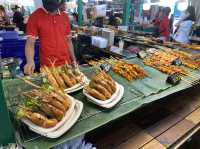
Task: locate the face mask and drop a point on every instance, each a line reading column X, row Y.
column 51, row 5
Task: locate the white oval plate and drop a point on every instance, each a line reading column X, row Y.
column 46, row 130
column 100, row 102
column 116, row 100
column 68, row 124
column 77, row 87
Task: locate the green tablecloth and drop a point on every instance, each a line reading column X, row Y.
column 137, row 93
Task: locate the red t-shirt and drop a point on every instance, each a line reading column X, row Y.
column 156, row 22
column 52, row 31
column 164, row 28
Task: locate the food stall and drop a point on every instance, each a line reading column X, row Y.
column 144, row 82
column 94, row 94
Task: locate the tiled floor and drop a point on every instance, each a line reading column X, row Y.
column 156, row 126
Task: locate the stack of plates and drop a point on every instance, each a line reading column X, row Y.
column 116, row 97
column 71, row 116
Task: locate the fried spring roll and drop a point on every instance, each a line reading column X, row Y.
column 101, row 89
column 67, row 80
column 94, row 93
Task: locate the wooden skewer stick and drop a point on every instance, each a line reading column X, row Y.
column 29, row 82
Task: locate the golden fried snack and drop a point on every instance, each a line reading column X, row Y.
column 106, row 76
column 56, row 103
column 101, row 89
column 41, row 120
column 58, row 114
column 67, row 80
column 112, row 86
column 72, row 77
column 50, row 77
column 94, row 93
column 104, row 84
column 58, row 78
column 61, row 97
column 47, row 110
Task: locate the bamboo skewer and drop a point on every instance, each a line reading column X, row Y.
column 29, row 82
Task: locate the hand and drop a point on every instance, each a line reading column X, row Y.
column 29, row 68
column 177, row 24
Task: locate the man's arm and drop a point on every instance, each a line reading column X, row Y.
column 29, row 53
column 71, row 49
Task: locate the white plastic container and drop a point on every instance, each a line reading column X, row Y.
column 67, row 125
column 99, row 42
column 116, row 97
column 100, row 102
column 68, row 113
column 116, row 100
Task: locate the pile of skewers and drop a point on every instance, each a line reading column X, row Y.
column 167, row 69
column 97, row 62
column 186, row 59
column 128, row 71
column 63, row 77
column 162, row 61
column 101, row 86
column 193, row 46
column 43, row 108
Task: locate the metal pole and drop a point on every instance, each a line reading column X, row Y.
column 126, row 12
column 6, row 129
column 80, row 12
column 140, row 8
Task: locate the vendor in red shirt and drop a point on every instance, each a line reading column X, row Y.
column 52, row 27
column 164, row 27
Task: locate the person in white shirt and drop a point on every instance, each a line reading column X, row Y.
column 184, row 26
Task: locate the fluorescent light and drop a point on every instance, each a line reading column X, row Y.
column 182, row 6
column 146, row 6
column 85, row 1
